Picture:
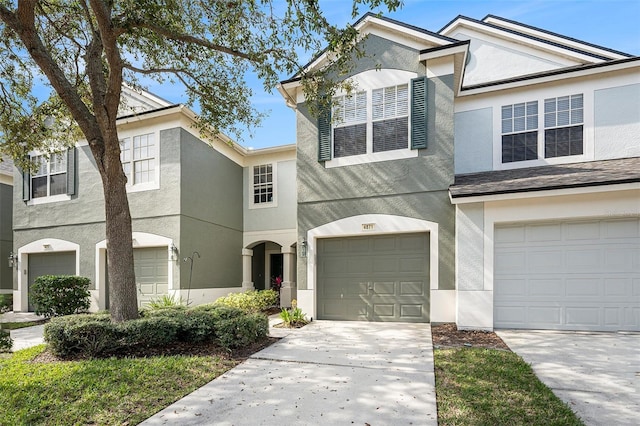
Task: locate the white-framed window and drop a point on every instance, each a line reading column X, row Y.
column 563, row 126
column 139, row 157
column 371, row 121
column 350, row 128
column 561, row 133
column 50, row 178
column 262, row 190
column 519, row 132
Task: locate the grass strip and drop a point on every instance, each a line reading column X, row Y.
column 492, row 387
column 17, row 325
column 100, row 391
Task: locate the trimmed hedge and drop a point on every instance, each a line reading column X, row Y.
column 57, row 295
column 6, row 303
column 95, row 335
column 6, row 343
column 250, row 301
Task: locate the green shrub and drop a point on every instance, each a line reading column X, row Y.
column 6, row 303
column 6, row 343
column 293, row 317
column 57, row 295
column 96, row 336
column 85, row 335
column 242, row 330
column 149, row 332
column 250, row 301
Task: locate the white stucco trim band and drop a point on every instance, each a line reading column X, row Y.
column 45, row 245
column 140, row 240
column 353, row 227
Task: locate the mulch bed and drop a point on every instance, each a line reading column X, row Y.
column 448, row 336
column 180, row 348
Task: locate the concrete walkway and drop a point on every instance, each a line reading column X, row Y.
column 328, row 372
column 596, row 374
column 24, row 337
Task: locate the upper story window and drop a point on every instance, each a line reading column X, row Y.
column 563, row 126
column 138, row 155
column 263, row 184
column 51, row 177
column 382, row 127
column 523, row 140
column 520, row 132
column 52, row 180
column 384, row 119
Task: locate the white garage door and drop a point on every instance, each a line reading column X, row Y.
column 570, row 275
column 151, row 268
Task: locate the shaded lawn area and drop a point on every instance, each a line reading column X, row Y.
column 103, row 391
column 17, row 325
column 477, row 386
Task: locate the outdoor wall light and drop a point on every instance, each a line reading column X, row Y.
column 303, row 248
column 13, row 260
column 173, row 252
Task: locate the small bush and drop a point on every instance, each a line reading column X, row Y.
column 149, row 332
column 250, row 301
column 57, row 295
column 6, row 303
column 242, row 330
column 6, row 343
column 86, row 335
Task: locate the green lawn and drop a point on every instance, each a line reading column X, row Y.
column 17, row 325
column 104, row 392
column 491, row 387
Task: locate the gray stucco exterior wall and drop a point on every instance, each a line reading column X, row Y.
column 212, row 215
column 474, row 141
column 617, row 122
column 413, row 187
column 283, row 216
column 6, row 236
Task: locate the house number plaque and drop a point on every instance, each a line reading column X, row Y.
column 368, row 226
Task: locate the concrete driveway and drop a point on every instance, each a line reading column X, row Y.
column 596, row 374
column 328, row 372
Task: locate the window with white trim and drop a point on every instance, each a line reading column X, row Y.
column 563, row 126
column 50, row 178
column 520, row 132
column 562, row 133
column 375, row 121
column 138, row 157
column 263, row 189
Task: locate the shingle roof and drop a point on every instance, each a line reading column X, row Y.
column 592, row 173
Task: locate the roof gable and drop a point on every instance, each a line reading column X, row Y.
column 495, row 42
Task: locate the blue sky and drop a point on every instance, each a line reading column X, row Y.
column 610, row 23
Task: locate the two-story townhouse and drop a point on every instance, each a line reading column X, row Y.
column 487, row 174
column 191, row 196
column 6, row 233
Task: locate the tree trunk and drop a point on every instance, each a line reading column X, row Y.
column 123, row 299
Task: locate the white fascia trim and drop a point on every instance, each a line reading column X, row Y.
column 384, row 224
column 521, row 39
column 140, row 240
column 44, row 245
column 445, row 52
column 545, row 193
column 494, row 20
column 549, row 78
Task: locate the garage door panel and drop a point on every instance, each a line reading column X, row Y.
column 412, row 288
column 56, row 263
column 545, row 232
column 381, row 275
column 588, row 278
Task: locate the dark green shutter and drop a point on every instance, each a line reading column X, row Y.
column 71, row 171
column 26, row 184
column 324, row 134
column 419, row 113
